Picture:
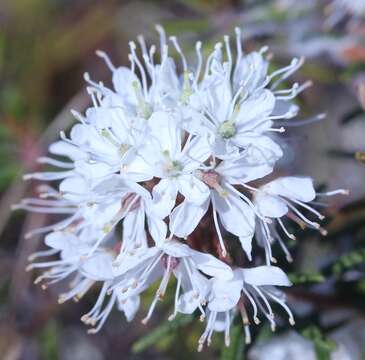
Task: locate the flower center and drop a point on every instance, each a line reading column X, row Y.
column 227, row 129
column 172, row 167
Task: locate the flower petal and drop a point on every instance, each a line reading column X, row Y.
column 186, row 217
column 265, row 275
column 271, row 206
column 292, row 187
column 164, row 197
column 211, row 266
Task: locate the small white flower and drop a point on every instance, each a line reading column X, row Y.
column 174, row 164
column 255, row 286
column 282, row 197
column 163, row 260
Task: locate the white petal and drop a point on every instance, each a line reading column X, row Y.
column 252, row 71
column 265, row 275
column 246, row 244
column 254, row 110
column 123, row 79
column 259, row 146
column 98, row 267
column 271, row 206
column 236, row 216
column 129, row 306
column 211, row 266
column 292, row 187
column 193, row 189
column 95, row 171
column 137, row 170
column 188, row 302
column 165, row 131
column 74, row 188
column 197, row 152
column 134, row 233
column 164, row 198
column 224, row 295
column 175, row 248
column 244, row 169
column 60, row 240
column 157, row 228
column 63, row 148
column 186, row 217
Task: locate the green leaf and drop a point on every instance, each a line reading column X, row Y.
column 306, row 277
column 49, row 341
column 236, row 349
column 322, row 344
column 166, row 329
column 349, row 261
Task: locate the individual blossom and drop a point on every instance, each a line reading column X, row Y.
column 254, row 287
column 230, row 207
column 170, row 257
column 236, row 105
column 75, row 261
column 174, row 164
column 286, row 197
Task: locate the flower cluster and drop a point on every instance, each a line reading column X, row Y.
column 160, row 161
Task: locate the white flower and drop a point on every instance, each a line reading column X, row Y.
column 235, row 210
column 282, row 197
column 255, row 286
column 140, row 170
column 167, row 258
column 174, row 164
column 74, row 258
column 238, row 105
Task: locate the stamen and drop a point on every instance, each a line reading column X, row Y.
column 289, row 235
column 161, row 32
column 107, row 60
column 132, row 47
column 174, row 41
column 229, row 54
column 334, row 192
column 216, row 224
column 309, row 208
column 198, row 47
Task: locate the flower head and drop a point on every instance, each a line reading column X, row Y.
column 157, row 173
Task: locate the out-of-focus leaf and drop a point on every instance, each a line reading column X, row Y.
column 7, row 174
column 306, row 277
column 236, row 349
column 349, row 261
column 49, row 341
column 322, row 344
column 265, row 333
column 161, row 332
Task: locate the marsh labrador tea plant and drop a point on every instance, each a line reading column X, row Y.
column 153, row 159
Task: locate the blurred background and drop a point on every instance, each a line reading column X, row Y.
column 47, row 45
